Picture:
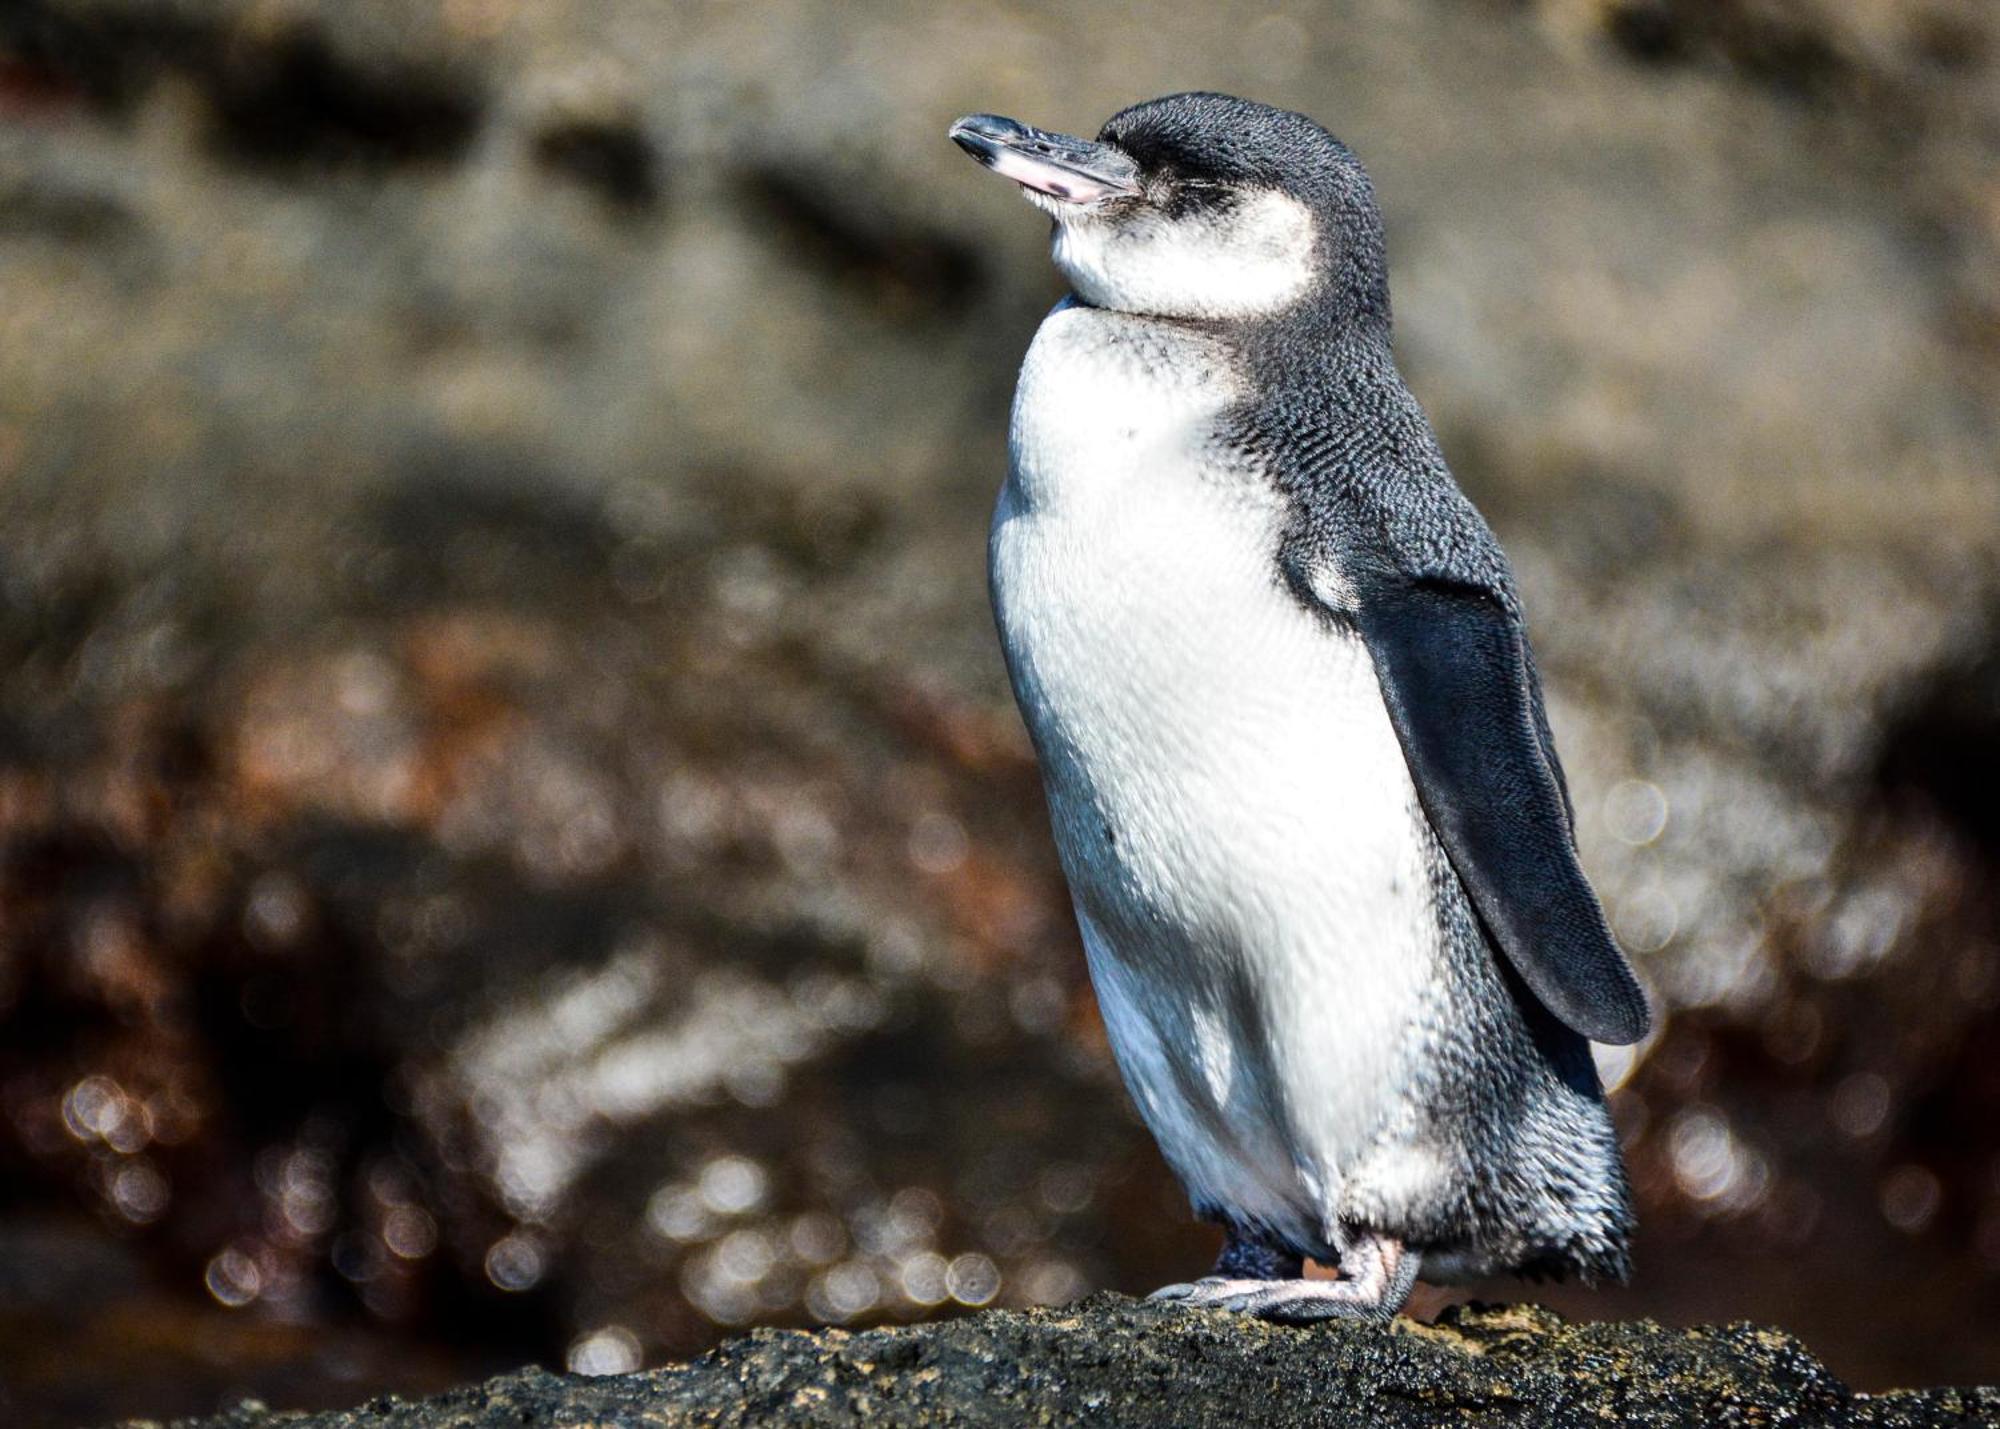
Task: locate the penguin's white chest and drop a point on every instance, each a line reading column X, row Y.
column 1229, row 799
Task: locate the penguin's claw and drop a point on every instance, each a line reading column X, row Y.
column 1295, row 1302
column 1376, row 1275
column 1209, row 1290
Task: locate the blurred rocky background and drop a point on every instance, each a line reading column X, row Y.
column 514, row 844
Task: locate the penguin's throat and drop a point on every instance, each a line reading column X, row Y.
column 1254, row 259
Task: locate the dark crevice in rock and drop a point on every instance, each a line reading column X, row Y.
column 904, row 270
column 610, row 158
column 1763, row 45
column 287, row 100
column 105, row 56
column 295, row 103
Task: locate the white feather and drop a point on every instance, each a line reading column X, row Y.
column 1229, row 799
column 1254, row 257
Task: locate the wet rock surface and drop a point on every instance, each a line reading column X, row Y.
column 1113, row 1361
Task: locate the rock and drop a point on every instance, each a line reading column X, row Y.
column 1113, row 1361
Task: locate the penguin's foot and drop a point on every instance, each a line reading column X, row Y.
column 1287, row 1301
column 1376, row 1276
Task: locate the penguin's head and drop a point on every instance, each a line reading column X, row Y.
column 1200, row 206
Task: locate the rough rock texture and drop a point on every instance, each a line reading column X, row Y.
column 1113, row 1361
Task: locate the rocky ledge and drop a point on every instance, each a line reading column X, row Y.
column 1113, row 1361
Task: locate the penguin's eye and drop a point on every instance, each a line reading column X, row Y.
column 1188, row 197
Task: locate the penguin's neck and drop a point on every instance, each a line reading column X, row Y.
column 1105, row 398
column 1321, row 356
column 1330, row 403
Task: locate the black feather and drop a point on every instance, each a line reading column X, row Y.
column 1454, row 670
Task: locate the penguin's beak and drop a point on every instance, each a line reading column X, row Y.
column 1073, row 170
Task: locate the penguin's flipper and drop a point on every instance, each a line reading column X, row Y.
column 1464, row 697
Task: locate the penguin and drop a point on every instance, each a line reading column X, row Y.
column 1272, row 660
